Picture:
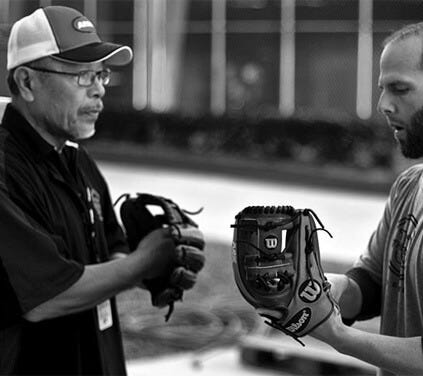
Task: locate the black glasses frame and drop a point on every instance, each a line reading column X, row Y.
column 82, row 76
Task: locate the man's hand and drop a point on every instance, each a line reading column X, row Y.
column 331, row 330
column 155, row 254
column 347, row 293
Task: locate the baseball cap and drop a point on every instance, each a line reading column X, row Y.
column 63, row 33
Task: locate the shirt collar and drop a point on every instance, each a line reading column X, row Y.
column 27, row 136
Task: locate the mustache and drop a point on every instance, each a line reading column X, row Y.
column 415, row 120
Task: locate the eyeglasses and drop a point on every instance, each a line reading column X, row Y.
column 84, row 78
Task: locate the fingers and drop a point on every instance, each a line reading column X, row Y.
column 190, row 257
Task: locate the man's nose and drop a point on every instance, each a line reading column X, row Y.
column 385, row 104
column 97, row 89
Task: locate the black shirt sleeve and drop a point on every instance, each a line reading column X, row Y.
column 33, row 268
column 371, row 293
column 10, row 310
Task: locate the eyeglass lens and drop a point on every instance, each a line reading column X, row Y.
column 87, row 78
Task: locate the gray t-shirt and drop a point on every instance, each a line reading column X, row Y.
column 394, row 257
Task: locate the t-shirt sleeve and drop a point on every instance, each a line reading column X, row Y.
column 371, row 292
column 368, row 269
column 371, row 259
column 32, row 266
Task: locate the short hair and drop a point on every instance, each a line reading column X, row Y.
column 405, row 32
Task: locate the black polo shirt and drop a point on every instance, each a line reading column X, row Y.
column 56, row 216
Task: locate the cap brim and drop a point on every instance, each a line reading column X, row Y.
column 111, row 53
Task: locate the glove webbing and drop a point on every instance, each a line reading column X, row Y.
column 267, row 226
column 261, row 279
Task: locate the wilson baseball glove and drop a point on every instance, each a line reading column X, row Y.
column 138, row 219
column 276, row 263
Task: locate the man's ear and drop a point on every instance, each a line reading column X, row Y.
column 23, row 79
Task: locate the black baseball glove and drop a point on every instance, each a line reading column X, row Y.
column 138, row 218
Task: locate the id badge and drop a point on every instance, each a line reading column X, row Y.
column 104, row 314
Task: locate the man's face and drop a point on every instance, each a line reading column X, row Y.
column 61, row 107
column 401, row 98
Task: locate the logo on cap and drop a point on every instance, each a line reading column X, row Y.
column 84, row 25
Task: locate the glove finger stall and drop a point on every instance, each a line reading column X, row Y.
column 190, row 257
column 189, row 235
column 183, row 278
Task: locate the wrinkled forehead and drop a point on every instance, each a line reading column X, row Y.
column 402, row 58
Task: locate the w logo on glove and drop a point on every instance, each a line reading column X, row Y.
column 271, row 242
column 310, row 291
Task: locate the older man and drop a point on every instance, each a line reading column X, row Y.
column 61, row 246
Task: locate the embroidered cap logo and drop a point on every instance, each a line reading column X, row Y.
column 84, row 25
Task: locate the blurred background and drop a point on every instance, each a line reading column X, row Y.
column 280, row 93
column 259, row 80
column 241, row 57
